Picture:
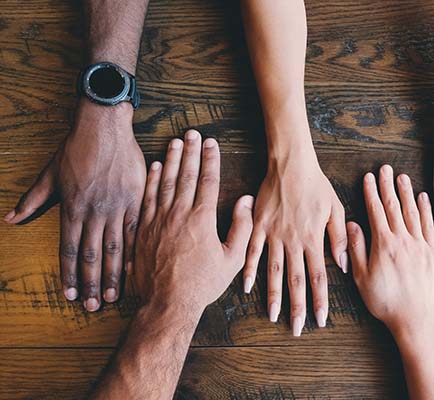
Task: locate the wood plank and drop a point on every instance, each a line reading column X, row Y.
column 295, row 372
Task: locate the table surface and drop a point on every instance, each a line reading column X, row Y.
column 369, row 81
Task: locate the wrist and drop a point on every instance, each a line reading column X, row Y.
column 414, row 342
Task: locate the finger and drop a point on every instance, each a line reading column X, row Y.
column 189, row 171
column 338, row 236
column 34, row 198
column 150, row 200
column 376, row 214
column 209, row 180
column 70, row 234
column 131, row 221
column 297, row 288
column 357, row 249
column 254, row 252
column 390, row 199
column 113, row 250
column 409, row 207
column 318, row 281
column 275, row 279
column 239, row 232
column 426, row 217
column 170, row 174
column 90, row 263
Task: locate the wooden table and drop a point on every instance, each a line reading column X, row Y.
column 369, row 84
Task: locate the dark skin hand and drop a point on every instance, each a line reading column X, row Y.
column 98, row 173
column 100, row 181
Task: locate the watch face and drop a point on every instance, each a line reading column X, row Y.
column 106, row 83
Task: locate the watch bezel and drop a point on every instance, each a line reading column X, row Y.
column 104, row 100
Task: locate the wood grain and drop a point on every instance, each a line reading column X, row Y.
column 369, row 90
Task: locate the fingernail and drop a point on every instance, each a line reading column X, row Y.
column 110, row 295
column 387, row 169
column 343, row 261
column 248, row 283
column 425, row 197
column 248, row 201
column 297, row 326
column 192, row 135
column 321, row 318
column 71, row 293
column 274, row 312
column 155, row 166
column 405, row 179
column 10, row 215
column 91, row 304
column 369, row 177
column 209, row 143
column 176, row 144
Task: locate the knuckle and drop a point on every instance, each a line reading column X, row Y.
column 318, row 278
column 169, row 185
column 91, row 287
column 274, row 267
column 69, row 251
column 296, row 281
column 69, row 280
column 112, row 247
column 208, row 180
column 131, row 224
column 297, row 309
column 274, row 294
column 112, row 280
column 89, row 256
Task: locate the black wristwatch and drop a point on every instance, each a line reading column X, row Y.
column 108, row 84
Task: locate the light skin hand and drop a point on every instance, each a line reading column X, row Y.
column 181, row 267
column 296, row 203
column 99, row 176
column 396, row 281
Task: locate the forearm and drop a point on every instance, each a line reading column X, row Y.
column 417, row 355
column 276, row 34
column 150, row 361
column 114, row 31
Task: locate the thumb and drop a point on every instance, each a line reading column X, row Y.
column 240, row 231
column 34, row 198
column 357, row 249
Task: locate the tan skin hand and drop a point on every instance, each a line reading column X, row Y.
column 99, row 176
column 295, row 205
column 178, row 251
column 396, row 281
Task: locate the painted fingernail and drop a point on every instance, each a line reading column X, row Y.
column 321, row 318
column 297, row 326
column 405, row 179
column 110, row 295
column 387, row 169
column 209, row 143
column 9, row 216
column 155, row 166
column 425, row 197
column 176, row 143
column 248, row 283
column 274, row 312
column 71, row 293
column 343, row 261
column 91, row 304
column 192, row 135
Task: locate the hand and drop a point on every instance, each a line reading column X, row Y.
column 99, row 176
column 397, row 280
column 295, row 204
column 179, row 256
